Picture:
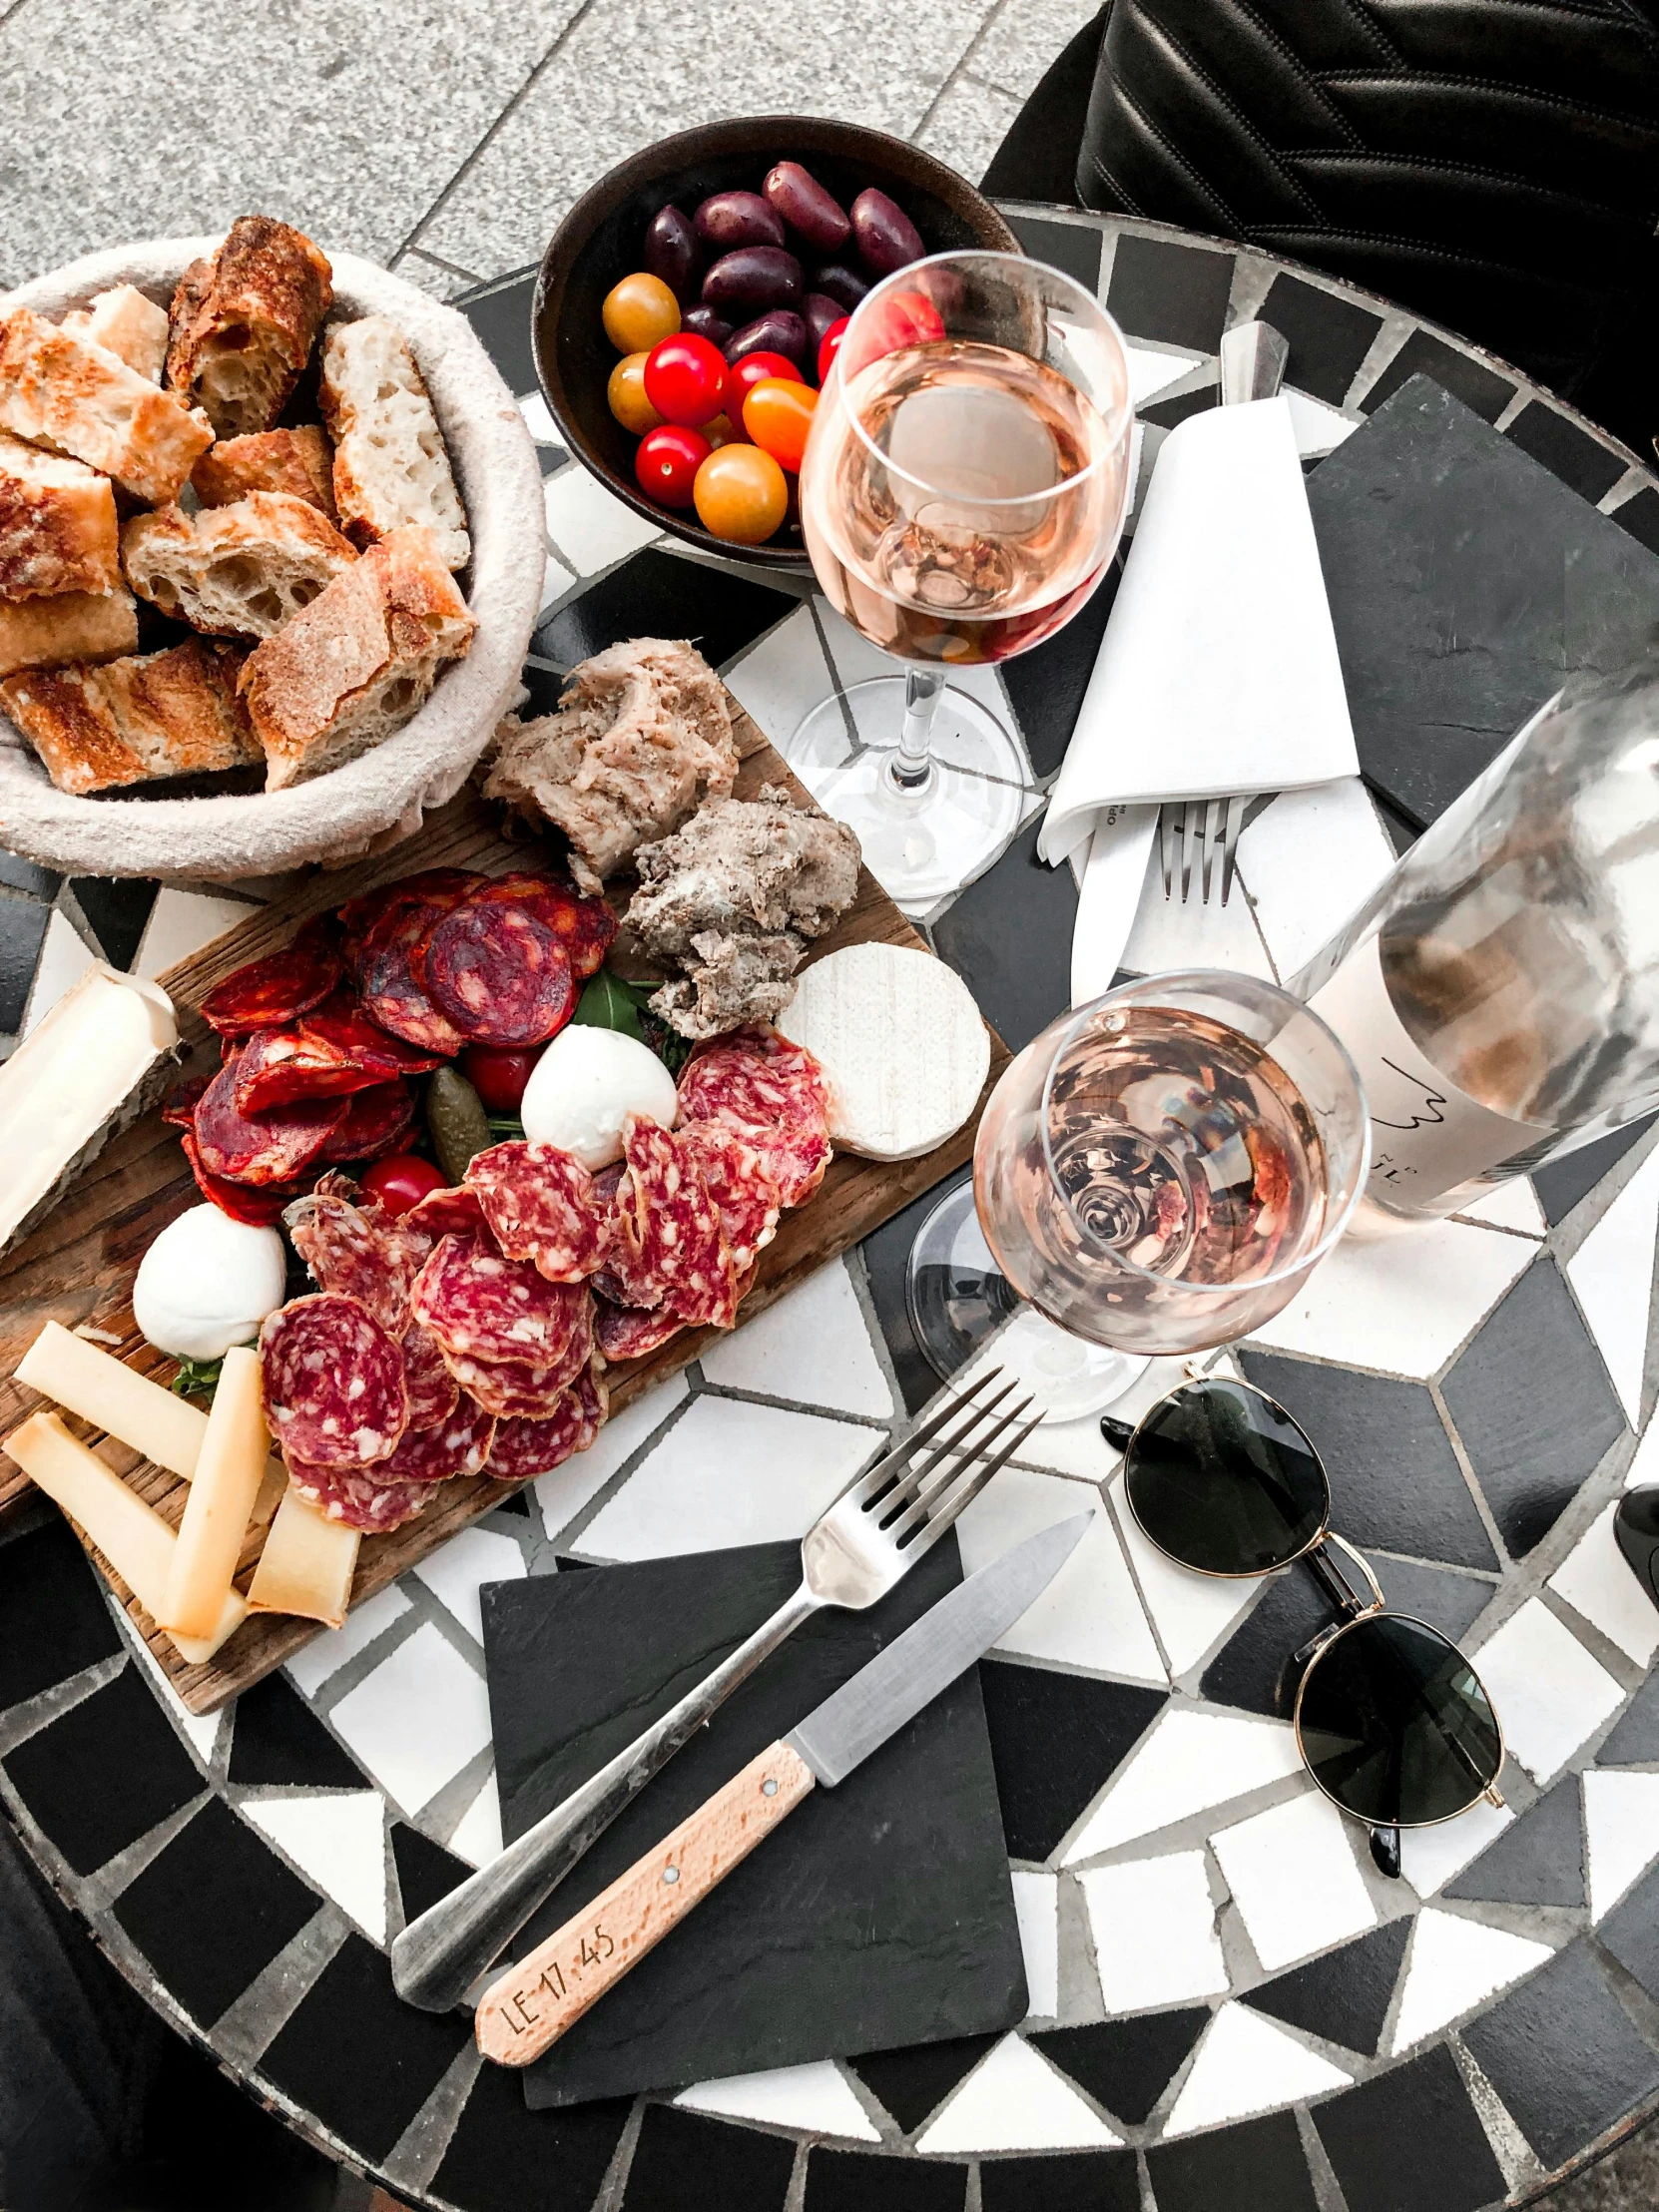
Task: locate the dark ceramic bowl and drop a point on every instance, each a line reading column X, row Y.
column 602, row 240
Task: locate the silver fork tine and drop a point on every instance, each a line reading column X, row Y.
column 1189, row 834
column 1229, row 843
column 1166, row 845
column 956, row 1445
column 1212, row 843
column 924, row 1498
column 871, row 1481
column 967, row 1489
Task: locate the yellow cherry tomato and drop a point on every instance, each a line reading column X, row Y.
column 625, row 394
column 720, row 432
column 639, row 312
column 778, row 415
column 741, row 494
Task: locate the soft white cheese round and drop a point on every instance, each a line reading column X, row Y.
column 206, row 1282
column 902, row 1043
column 584, row 1087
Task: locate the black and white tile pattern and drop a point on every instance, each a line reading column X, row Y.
column 1229, row 2007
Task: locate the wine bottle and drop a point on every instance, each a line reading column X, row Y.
column 1498, row 991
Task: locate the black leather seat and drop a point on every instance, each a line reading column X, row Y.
column 1492, row 165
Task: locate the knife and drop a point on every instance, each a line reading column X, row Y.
column 532, row 2004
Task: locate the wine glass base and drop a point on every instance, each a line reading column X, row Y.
column 921, row 844
column 958, row 1299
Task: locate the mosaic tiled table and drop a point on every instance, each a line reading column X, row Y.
column 1229, row 2007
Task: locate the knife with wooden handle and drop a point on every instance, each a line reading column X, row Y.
column 527, row 2009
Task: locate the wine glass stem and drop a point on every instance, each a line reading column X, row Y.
column 911, row 766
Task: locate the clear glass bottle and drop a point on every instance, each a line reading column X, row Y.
column 1499, row 991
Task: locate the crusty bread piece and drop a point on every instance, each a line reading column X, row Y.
column 126, row 325
column 239, row 571
column 57, row 391
column 158, row 714
column 356, row 664
column 300, row 462
column 73, row 626
column 244, row 324
column 390, row 462
column 57, row 524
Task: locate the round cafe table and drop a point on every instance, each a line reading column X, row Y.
column 1228, row 2008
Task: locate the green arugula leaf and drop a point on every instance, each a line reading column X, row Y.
column 196, row 1377
column 606, row 1002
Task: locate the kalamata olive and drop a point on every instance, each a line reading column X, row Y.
column 703, row 322
column 674, row 252
column 753, row 278
column 886, row 236
column 818, row 310
column 804, row 205
column 838, row 282
column 729, row 218
column 779, row 331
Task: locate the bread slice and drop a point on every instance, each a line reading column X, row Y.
column 390, row 462
column 57, row 524
column 156, row 713
column 243, row 324
column 57, row 391
column 72, row 626
column 239, row 571
column 356, row 664
column 126, row 325
column 300, row 462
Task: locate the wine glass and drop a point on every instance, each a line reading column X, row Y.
column 1157, row 1173
column 962, row 493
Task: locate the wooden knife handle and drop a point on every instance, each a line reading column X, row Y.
column 530, row 2006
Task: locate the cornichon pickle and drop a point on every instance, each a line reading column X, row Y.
column 456, row 1118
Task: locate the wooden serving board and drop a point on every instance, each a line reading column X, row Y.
column 78, row 1267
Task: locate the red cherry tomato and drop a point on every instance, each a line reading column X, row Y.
column 498, row 1075
column 402, row 1180
column 830, row 346
column 752, row 369
column 778, row 416
column 685, row 379
column 667, row 462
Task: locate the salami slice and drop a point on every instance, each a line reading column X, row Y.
column 480, row 1306
column 332, row 1380
column 771, row 1093
column 541, row 1205
column 390, row 994
column 452, row 1213
column 266, row 1147
column 523, row 1448
column 586, row 927
column 352, row 1495
column 740, row 1185
column 518, row 1390
column 496, row 973
column 630, row 1332
column 348, row 1258
column 259, row 1209
column 271, row 993
column 457, row 1445
column 179, row 1107
column 676, row 1253
column 283, row 1067
column 433, row 1390
column 358, row 916
column 376, row 1122
column 341, row 1023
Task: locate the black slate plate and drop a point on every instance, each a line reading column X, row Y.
column 1466, row 583
column 879, row 1914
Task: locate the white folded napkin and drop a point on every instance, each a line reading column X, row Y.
column 1218, row 673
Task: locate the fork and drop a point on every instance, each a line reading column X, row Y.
column 863, row 1543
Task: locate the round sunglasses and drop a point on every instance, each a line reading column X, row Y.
column 1391, row 1721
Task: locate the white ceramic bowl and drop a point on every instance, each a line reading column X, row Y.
column 378, row 800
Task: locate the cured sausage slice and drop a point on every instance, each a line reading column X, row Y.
column 771, row 1093
column 259, row 1209
column 738, row 1184
column 179, row 1107
column 676, row 1253
column 341, row 1023
column 630, row 1332
column 271, row 993
column 348, row 1258
column 433, row 1390
column 526, row 1448
column 586, row 927
column 390, row 994
column 541, row 1205
column 456, row 1445
column 452, row 1213
column 376, row 1122
column 358, row 916
column 481, row 1306
column 332, row 1380
column 520, row 1391
column 281, row 1067
column 267, row 1148
column 497, row 975
column 352, row 1495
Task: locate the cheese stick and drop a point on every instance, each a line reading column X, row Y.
column 134, row 1539
column 128, row 1405
column 306, row 1565
column 222, row 1493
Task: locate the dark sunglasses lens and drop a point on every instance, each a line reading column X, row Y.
column 1396, row 1726
column 1224, row 1481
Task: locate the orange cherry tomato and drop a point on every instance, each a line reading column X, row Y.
column 777, row 417
column 741, row 494
column 639, row 312
column 625, row 394
column 667, row 462
column 752, row 369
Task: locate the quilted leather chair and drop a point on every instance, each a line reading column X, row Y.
column 1492, row 165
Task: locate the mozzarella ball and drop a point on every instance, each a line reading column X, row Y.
column 584, row 1087
column 206, row 1282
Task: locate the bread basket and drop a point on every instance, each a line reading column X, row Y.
column 378, row 800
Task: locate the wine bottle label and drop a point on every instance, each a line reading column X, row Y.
column 1426, row 1135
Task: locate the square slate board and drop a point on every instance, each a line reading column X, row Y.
column 881, row 1912
column 1465, row 584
